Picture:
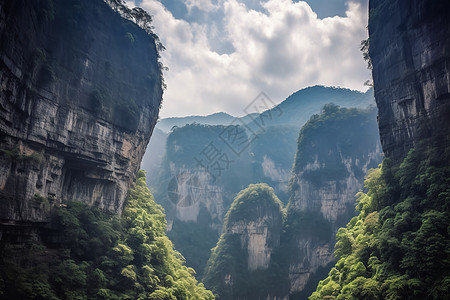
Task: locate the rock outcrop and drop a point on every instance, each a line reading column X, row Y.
column 201, row 171
column 242, row 258
column 410, row 53
column 334, row 152
column 80, row 90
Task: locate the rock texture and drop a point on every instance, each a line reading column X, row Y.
column 80, row 90
column 259, row 238
column 192, row 190
column 201, row 171
column 241, row 261
column 334, row 153
column 410, row 52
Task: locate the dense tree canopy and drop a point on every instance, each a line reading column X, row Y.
column 97, row 255
column 399, row 245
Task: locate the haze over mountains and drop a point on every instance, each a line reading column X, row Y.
column 195, row 203
column 292, row 114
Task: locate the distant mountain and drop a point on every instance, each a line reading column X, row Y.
column 295, row 110
column 291, row 115
column 152, row 158
column 298, row 107
column 268, row 157
column 266, row 252
column 219, row 118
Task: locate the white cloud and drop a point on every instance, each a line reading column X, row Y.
column 279, row 50
column 204, row 5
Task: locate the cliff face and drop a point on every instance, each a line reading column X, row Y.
column 79, row 97
column 241, row 261
column 410, row 52
column 201, row 174
column 335, row 151
column 259, row 237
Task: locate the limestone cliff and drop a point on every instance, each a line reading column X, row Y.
column 240, row 265
column 410, row 53
column 79, row 96
column 201, row 172
column 334, row 152
column 260, row 149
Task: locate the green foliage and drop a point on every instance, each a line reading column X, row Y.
column 99, row 255
column 365, row 44
column 398, row 246
column 46, row 11
column 126, row 114
column 335, row 134
column 16, row 155
column 256, row 195
column 277, row 143
column 307, row 224
column 194, row 241
column 97, row 101
column 10, row 154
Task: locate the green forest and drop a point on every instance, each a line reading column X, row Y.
column 98, row 255
column 398, row 247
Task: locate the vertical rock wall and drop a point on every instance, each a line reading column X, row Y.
column 335, row 151
column 410, row 51
column 80, row 90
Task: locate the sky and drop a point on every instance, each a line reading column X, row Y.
column 221, row 54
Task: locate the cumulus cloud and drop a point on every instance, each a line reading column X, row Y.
column 278, row 49
column 205, row 5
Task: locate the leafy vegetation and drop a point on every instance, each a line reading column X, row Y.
column 98, row 255
column 252, row 203
column 185, row 149
column 46, row 11
column 144, row 20
column 194, row 241
column 398, row 245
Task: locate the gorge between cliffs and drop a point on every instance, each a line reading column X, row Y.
column 325, row 192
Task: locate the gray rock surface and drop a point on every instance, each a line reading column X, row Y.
column 80, row 90
column 326, row 177
column 410, row 51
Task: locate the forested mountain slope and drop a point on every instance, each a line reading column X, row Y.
column 334, row 151
column 266, row 154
